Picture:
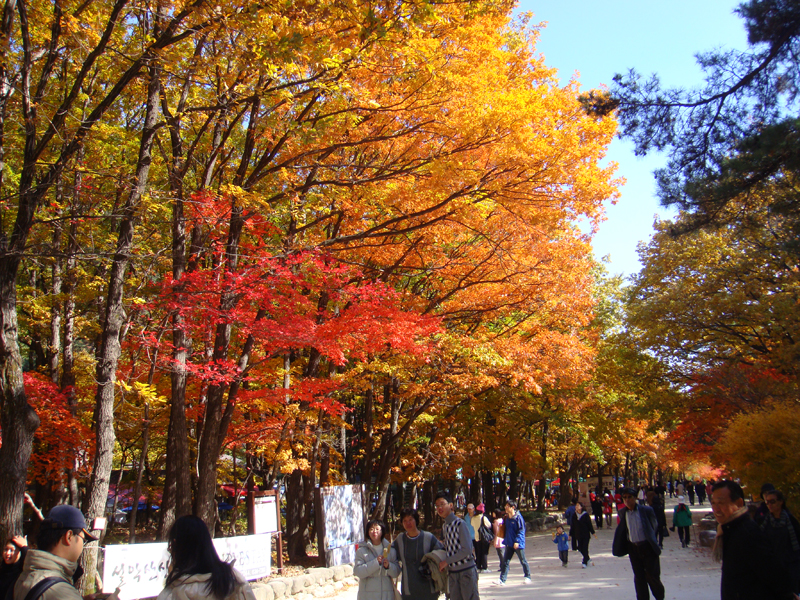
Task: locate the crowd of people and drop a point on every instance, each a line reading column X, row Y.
column 760, row 553
column 758, row 546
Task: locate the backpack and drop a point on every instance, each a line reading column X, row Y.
column 37, row 590
column 484, row 532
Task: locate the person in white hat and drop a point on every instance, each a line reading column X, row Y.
column 682, row 519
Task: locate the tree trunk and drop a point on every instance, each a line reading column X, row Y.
column 295, row 537
column 513, row 492
column 427, row 503
column 489, row 498
column 114, row 321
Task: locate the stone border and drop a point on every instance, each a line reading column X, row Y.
column 544, row 523
column 314, row 583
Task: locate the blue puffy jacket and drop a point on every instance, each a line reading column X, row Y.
column 515, row 531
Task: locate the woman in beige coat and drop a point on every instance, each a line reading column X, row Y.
column 195, row 569
column 376, row 565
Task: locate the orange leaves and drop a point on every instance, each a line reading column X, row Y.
column 62, row 441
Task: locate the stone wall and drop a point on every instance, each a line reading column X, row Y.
column 314, row 583
column 544, row 523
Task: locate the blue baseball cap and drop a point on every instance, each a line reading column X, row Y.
column 65, row 516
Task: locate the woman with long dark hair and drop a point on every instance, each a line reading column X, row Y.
column 196, row 570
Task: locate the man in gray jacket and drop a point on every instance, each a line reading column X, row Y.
column 463, row 578
column 53, row 564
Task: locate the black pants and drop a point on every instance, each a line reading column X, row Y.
column 646, row 571
column 683, row 534
column 481, row 550
column 564, row 556
column 583, row 548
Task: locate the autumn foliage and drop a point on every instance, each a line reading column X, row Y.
column 330, row 237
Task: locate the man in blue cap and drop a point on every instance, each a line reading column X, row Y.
column 49, row 570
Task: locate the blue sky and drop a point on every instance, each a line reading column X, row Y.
column 599, row 39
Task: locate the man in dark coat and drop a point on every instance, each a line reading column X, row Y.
column 635, row 537
column 750, row 569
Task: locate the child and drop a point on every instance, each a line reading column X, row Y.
column 562, row 539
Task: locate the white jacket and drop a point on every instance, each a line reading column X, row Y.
column 375, row 582
column 195, row 587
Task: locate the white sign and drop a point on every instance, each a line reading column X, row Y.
column 265, row 510
column 139, row 570
column 343, row 512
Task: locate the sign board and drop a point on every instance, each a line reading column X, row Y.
column 608, row 482
column 341, row 510
column 583, row 495
column 265, row 514
column 139, row 570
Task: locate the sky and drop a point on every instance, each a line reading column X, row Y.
column 597, row 40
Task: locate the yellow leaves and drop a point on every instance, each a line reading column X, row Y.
column 756, row 448
column 143, row 392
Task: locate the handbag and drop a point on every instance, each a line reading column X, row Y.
column 397, row 595
column 485, row 533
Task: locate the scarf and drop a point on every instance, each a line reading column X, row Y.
column 782, row 521
column 717, row 551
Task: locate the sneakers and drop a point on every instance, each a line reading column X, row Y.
column 498, row 582
column 526, row 580
column 563, row 564
column 583, row 565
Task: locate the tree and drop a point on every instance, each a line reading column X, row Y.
column 719, row 297
column 756, row 449
column 749, row 101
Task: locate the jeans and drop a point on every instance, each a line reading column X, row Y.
column 509, row 554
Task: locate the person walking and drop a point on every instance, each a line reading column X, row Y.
column 635, row 537
column 690, row 491
column 195, row 571
column 783, row 533
column 608, row 508
column 597, row 510
column 410, row 546
column 562, row 539
column 514, row 543
column 499, row 535
column 682, row 520
column 482, row 527
column 582, row 530
column 462, row 579
column 700, row 490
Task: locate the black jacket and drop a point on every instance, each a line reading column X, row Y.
column 581, row 527
column 750, row 569
column 620, row 545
